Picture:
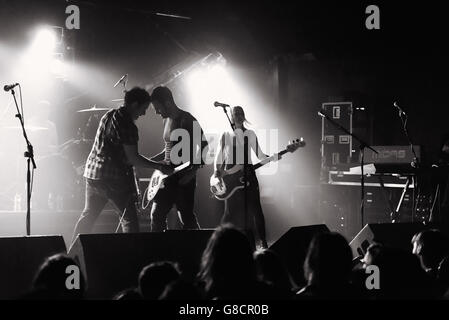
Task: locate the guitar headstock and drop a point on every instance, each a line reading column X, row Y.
column 295, row 144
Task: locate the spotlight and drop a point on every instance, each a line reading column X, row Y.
column 212, row 59
column 217, row 71
column 221, row 60
column 57, row 67
column 197, row 79
column 45, row 40
column 45, row 54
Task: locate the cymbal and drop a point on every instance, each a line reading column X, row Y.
column 27, row 128
column 94, row 109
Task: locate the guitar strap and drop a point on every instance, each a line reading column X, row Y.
column 236, row 144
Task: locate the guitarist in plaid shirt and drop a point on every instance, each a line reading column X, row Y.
column 110, row 166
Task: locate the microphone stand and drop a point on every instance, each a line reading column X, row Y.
column 404, row 118
column 125, row 82
column 227, row 116
column 245, row 172
column 416, row 162
column 29, row 154
column 363, row 146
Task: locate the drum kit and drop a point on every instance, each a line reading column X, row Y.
column 59, row 182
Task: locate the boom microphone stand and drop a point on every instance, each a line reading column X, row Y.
column 29, row 154
column 225, row 110
column 245, row 164
column 363, row 146
column 416, row 162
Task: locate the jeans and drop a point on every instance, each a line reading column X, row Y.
column 98, row 193
column 183, row 196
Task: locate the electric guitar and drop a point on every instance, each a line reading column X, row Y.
column 233, row 179
column 159, row 180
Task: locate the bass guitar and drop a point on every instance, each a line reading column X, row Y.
column 233, row 179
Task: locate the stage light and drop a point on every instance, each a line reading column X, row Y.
column 44, row 58
column 57, row 67
column 197, row 79
column 45, row 40
column 218, row 72
column 221, row 60
column 208, row 82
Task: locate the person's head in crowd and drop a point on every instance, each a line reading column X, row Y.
column 443, row 273
column 137, row 101
column 271, row 269
column 180, row 290
column 443, row 154
column 445, row 143
column 59, row 277
column 373, row 251
column 227, row 261
column 155, row 277
column 360, row 271
column 328, row 260
column 430, row 246
column 128, row 294
column 401, row 275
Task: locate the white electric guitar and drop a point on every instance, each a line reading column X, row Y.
column 159, row 180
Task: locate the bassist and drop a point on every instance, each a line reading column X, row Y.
column 233, row 150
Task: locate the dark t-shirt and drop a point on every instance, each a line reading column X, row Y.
column 175, row 140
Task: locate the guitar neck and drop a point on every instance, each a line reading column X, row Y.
column 264, row 162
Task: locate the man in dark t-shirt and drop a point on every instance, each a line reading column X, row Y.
column 184, row 142
column 110, row 166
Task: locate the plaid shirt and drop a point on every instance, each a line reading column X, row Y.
column 107, row 159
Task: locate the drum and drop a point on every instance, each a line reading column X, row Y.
column 56, row 184
column 77, row 151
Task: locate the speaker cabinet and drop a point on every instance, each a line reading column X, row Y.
column 20, row 258
column 292, row 248
column 112, row 262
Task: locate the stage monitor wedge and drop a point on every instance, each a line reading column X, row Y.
column 20, row 259
column 292, row 248
column 112, row 262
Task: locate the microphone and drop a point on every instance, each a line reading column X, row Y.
column 121, row 80
column 219, row 104
column 8, row 87
column 395, row 104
